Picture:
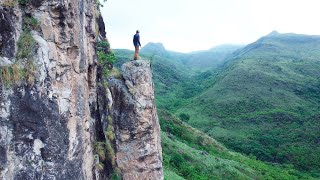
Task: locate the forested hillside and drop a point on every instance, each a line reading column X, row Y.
column 261, row 100
column 266, row 101
column 191, row 154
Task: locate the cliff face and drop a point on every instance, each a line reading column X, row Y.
column 54, row 115
column 138, row 147
column 46, row 128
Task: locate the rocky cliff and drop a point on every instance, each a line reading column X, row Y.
column 52, row 114
column 139, row 154
column 46, row 125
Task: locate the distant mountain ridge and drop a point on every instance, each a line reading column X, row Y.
column 154, row 48
column 197, row 60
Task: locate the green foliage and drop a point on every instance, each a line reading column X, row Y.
column 106, row 57
column 191, row 154
column 100, row 150
column 109, row 148
column 110, row 153
column 10, row 74
column 105, row 151
column 109, row 139
column 170, row 175
column 23, row 69
column 99, row 4
column 100, row 166
column 30, row 23
column 23, row 2
column 26, row 44
column 97, row 7
column 102, row 45
column 184, row 117
column 116, row 174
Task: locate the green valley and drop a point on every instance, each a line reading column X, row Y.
column 261, row 100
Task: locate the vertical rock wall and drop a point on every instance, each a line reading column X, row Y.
column 46, row 129
column 139, row 154
column 50, row 127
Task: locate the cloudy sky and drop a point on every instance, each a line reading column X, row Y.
column 190, row 25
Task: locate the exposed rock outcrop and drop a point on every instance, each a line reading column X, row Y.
column 47, row 128
column 139, row 154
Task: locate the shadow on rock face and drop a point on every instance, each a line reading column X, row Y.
column 37, row 119
column 36, row 3
column 7, row 33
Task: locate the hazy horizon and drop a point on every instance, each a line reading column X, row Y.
column 228, row 44
column 186, row 26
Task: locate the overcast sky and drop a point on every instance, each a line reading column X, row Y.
column 190, row 25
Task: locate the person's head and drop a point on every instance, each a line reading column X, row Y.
column 137, row 31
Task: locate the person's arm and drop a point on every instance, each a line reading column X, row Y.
column 133, row 40
column 139, row 41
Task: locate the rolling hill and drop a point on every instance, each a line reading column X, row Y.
column 197, row 61
column 191, row 154
column 265, row 101
column 262, row 100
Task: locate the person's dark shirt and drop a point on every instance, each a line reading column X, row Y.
column 136, row 40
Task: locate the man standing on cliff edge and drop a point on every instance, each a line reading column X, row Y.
column 137, row 45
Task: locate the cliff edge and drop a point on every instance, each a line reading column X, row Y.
column 137, row 130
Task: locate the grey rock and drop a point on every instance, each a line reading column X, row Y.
column 37, row 3
column 47, row 130
column 4, row 61
column 7, row 32
column 139, row 153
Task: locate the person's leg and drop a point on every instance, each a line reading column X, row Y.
column 138, row 49
column 136, row 53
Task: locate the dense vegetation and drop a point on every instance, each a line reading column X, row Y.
column 191, row 154
column 262, row 100
column 266, row 102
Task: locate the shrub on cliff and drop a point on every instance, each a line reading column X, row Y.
column 106, row 57
column 23, row 68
